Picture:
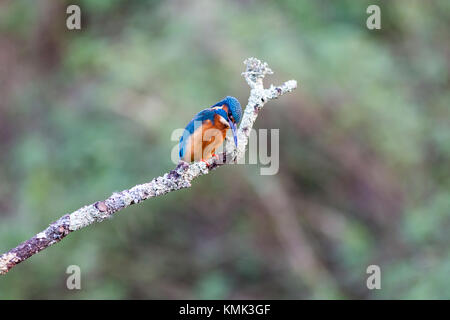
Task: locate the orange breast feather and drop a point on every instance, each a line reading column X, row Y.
column 204, row 140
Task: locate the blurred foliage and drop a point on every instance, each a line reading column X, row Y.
column 364, row 148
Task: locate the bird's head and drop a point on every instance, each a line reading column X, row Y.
column 233, row 110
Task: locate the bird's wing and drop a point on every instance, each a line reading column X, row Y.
column 206, row 114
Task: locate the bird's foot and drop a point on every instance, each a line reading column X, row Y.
column 206, row 162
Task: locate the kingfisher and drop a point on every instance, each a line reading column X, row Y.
column 207, row 130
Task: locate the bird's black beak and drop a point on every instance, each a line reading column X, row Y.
column 233, row 128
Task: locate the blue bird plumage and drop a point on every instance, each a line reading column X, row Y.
column 223, row 115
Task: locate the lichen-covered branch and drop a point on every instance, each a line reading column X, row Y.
column 179, row 178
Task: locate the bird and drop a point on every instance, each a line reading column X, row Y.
column 207, row 130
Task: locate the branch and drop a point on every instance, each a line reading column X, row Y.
column 179, row 178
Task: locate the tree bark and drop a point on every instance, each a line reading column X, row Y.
column 179, row 178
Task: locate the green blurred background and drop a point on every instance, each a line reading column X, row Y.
column 364, row 148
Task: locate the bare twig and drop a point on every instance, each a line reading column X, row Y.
column 179, row 178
